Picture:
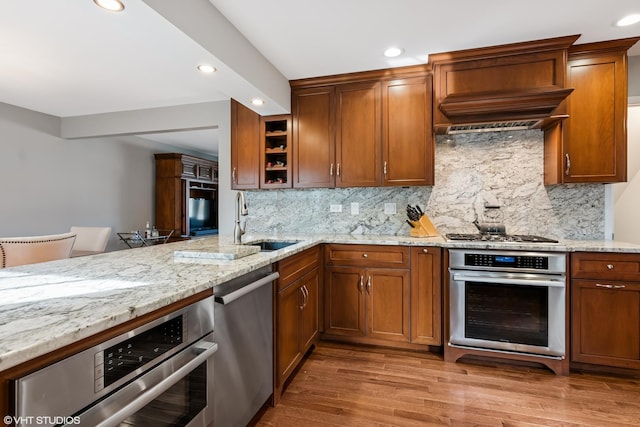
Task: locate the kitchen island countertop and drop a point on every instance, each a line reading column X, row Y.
column 46, row 306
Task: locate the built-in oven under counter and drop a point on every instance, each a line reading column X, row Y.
column 508, row 304
column 159, row 374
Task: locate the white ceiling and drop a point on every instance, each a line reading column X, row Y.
column 89, row 61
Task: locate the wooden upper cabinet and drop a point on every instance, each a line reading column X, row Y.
column 363, row 129
column 313, row 137
column 591, row 145
column 358, row 135
column 245, row 147
column 407, row 132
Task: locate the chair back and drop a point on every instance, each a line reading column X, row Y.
column 90, row 240
column 16, row 251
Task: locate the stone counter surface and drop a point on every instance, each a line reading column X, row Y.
column 47, row 306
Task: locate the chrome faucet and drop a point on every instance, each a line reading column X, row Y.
column 241, row 209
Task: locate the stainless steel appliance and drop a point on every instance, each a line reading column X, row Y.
column 509, row 301
column 244, row 331
column 160, row 374
column 500, row 237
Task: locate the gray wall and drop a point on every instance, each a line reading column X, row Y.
column 49, row 184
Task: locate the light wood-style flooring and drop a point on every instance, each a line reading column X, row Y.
column 346, row 385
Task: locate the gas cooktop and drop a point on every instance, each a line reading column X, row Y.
column 516, row 238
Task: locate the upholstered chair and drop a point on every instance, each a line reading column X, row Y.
column 16, row 251
column 90, row 240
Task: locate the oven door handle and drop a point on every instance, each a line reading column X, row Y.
column 508, row 281
column 206, row 348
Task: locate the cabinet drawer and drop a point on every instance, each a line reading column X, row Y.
column 294, row 267
column 609, row 266
column 368, row 256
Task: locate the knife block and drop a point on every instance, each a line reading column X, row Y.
column 423, row 228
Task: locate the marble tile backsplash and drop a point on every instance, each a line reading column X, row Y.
column 470, row 169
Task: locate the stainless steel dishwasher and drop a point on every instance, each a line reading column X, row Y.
column 244, row 361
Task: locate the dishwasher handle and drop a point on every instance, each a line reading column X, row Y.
column 232, row 296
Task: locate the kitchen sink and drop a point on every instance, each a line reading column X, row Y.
column 272, row 245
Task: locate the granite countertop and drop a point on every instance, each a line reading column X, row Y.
column 50, row 305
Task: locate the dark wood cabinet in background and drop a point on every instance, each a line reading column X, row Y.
column 605, row 309
column 179, row 178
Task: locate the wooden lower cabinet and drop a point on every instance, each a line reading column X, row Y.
column 606, row 323
column 426, row 295
column 383, row 295
column 297, row 312
column 371, row 303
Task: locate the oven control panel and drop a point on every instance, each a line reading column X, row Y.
column 528, row 262
column 130, row 354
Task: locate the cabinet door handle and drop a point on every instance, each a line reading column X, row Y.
column 610, row 266
column 338, row 169
column 425, row 251
column 384, row 169
column 365, row 255
column 305, row 292
column 361, row 283
column 331, row 170
column 568, row 161
column 608, row 286
column 301, row 305
column 234, row 176
column 369, row 285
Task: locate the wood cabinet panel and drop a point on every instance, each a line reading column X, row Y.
column 407, row 132
column 594, row 133
column 607, row 266
column 297, row 312
column 358, row 135
column 426, row 296
column 309, row 318
column 367, row 255
column 313, row 137
column 344, row 306
column 289, row 351
column 387, row 294
column 591, row 145
column 606, row 323
column 245, row 147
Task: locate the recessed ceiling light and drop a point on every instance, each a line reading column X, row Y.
column 257, row 101
column 392, row 52
column 111, row 5
column 628, row 20
column 206, row 68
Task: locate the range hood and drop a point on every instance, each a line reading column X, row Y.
column 507, row 87
column 503, row 110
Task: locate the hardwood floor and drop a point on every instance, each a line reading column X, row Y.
column 346, row 385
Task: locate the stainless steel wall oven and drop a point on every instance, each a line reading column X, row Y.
column 160, row 374
column 508, row 301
